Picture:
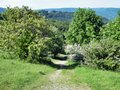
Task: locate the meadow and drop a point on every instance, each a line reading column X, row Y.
column 19, row 75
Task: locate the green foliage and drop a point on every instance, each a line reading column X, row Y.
column 84, row 27
column 93, row 79
column 119, row 13
column 62, row 26
column 104, row 54
column 59, row 34
column 27, row 34
column 58, row 45
column 1, row 16
column 112, row 30
column 16, row 27
column 57, row 15
column 17, row 75
column 38, row 50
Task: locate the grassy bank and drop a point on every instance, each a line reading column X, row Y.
column 95, row 79
column 17, row 75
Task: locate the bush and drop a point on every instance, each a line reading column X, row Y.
column 108, row 64
column 28, row 35
column 72, row 49
column 74, row 52
column 103, row 54
column 38, row 51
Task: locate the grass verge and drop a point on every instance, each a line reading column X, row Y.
column 17, row 75
column 93, row 78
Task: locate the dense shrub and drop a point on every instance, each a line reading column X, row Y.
column 38, row 50
column 103, row 54
column 28, row 35
column 72, row 49
column 74, row 52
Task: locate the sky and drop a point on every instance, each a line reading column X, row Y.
column 43, row 4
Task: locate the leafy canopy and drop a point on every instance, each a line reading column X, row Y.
column 84, row 27
column 27, row 34
column 112, row 30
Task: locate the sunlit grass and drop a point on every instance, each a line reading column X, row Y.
column 17, row 75
column 95, row 79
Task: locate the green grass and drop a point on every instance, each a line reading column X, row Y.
column 70, row 62
column 18, row 75
column 95, row 79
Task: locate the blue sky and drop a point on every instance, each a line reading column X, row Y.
column 41, row 4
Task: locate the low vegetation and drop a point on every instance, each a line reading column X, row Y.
column 95, row 79
column 18, row 75
column 104, row 54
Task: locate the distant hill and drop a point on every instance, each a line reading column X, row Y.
column 62, row 9
column 57, row 15
column 2, row 9
column 109, row 13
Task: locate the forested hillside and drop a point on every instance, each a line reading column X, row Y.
column 57, row 15
column 67, row 13
column 109, row 13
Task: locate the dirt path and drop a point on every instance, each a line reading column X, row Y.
column 57, row 73
column 56, row 84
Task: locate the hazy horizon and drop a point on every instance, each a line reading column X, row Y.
column 65, row 7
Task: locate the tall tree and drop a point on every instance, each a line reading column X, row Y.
column 112, row 30
column 85, row 26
